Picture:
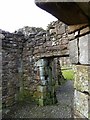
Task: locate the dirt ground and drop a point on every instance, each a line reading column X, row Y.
column 63, row 109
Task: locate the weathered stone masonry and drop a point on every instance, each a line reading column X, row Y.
column 79, row 54
column 11, row 53
column 31, row 60
column 31, row 63
column 41, row 53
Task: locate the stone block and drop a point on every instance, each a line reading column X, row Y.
column 61, row 29
column 73, row 51
column 81, row 103
column 41, row 63
column 85, row 30
column 2, row 36
column 52, row 31
column 71, row 36
column 82, row 78
column 48, row 43
column 84, row 49
column 42, row 71
column 64, row 41
column 73, row 28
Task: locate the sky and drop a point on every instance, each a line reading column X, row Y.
column 15, row 14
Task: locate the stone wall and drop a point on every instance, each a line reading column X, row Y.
column 40, row 46
column 30, row 74
column 57, row 39
column 79, row 55
column 31, row 63
column 10, row 53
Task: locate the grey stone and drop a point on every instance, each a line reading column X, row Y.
column 82, row 75
column 84, row 48
column 41, row 62
column 71, row 36
column 73, row 51
column 2, row 36
column 81, row 103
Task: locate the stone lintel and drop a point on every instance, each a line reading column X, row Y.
column 68, row 12
column 73, row 28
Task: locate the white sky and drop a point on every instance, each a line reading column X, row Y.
column 15, row 14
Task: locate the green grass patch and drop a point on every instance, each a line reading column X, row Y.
column 68, row 74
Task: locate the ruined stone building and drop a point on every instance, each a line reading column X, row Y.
column 31, row 59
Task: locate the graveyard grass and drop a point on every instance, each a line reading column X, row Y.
column 68, row 74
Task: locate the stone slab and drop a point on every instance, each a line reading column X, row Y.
column 82, row 78
column 73, row 51
column 2, row 36
column 85, row 30
column 81, row 103
column 73, row 28
column 84, row 49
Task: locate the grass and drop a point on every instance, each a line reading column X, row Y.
column 68, row 74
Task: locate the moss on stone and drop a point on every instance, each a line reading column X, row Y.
column 24, row 95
